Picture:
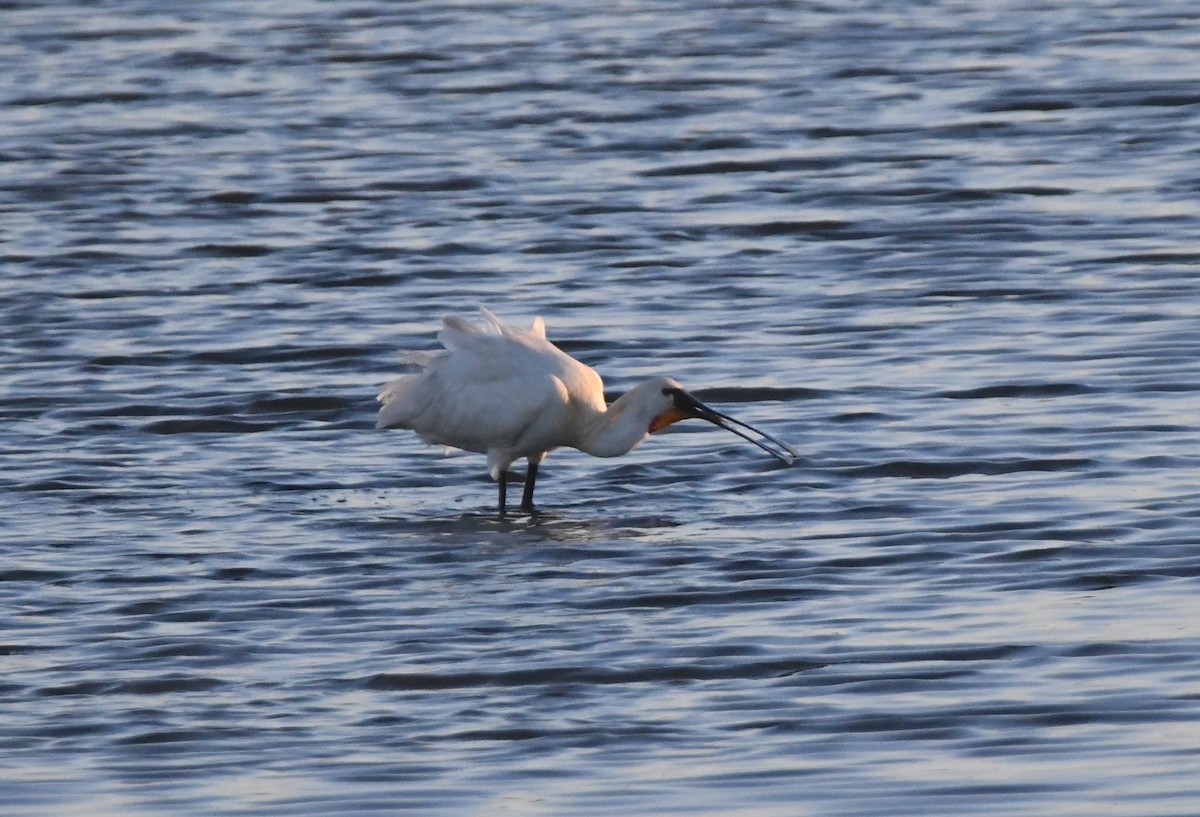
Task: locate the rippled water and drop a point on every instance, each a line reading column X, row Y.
column 948, row 250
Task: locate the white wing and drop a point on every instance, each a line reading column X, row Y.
column 496, row 389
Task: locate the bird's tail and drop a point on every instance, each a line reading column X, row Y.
column 396, row 398
column 392, row 412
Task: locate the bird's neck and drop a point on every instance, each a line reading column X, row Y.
column 615, row 431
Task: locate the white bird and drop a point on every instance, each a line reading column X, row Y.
column 510, row 393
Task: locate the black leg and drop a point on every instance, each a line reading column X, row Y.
column 503, row 490
column 527, row 494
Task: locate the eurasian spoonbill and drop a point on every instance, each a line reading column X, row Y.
column 510, row 393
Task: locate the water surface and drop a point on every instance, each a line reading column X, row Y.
column 948, row 252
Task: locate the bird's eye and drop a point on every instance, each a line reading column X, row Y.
column 667, row 392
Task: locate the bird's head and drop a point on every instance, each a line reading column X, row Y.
column 672, row 403
column 675, row 403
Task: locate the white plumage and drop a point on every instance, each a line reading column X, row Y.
column 511, row 394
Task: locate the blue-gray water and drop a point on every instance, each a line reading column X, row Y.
column 948, row 250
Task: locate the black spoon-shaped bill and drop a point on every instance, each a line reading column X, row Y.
column 688, row 405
